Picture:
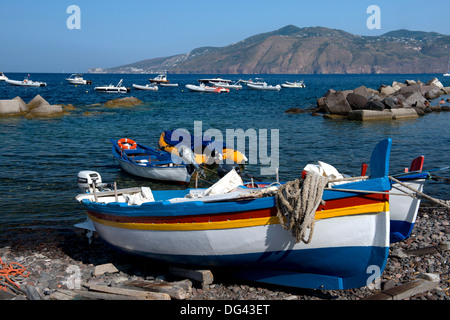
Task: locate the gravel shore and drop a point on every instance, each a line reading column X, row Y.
column 52, row 256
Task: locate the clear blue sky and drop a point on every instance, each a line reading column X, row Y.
column 34, row 36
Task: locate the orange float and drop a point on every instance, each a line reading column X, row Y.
column 126, row 144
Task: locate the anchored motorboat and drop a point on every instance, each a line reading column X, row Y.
column 214, row 81
column 26, row 83
column 203, row 88
column 263, row 86
column 297, row 84
column 151, row 87
column 77, row 78
column 227, row 85
column 161, row 78
column 113, row 89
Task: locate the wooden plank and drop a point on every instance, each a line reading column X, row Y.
column 405, row 291
column 179, row 290
column 429, row 250
column 202, row 276
column 61, row 294
column 129, row 292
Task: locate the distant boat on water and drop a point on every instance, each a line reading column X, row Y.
column 77, row 78
column 447, row 74
column 26, row 82
column 161, row 78
column 113, row 89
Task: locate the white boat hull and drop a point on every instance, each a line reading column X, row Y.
column 206, row 89
column 26, row 83
column 174, row 174
column 111, row 89
column 146, row 87
column 162, row 84
column 264, row 87
column 404, row 208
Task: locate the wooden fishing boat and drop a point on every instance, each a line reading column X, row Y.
column 206, row 150
column 239, row 231
column 403, row 203
column 146, row 162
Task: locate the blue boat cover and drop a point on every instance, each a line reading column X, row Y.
column 175, row 137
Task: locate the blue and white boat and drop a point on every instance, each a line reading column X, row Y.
column 243, row 232
column 147, row 162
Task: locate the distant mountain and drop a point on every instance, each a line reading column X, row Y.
column 312, row 50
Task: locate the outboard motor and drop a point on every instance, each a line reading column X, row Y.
column 88, row 180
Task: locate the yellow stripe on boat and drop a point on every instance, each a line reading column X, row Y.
column 243, row 223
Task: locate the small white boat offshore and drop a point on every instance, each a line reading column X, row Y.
column 203, row 88
column 263, row 86
column 214, row 81
column 447, row 74
column 77, row 78
column 113, row 89
column 26, row 83
column 161, row 78
column 227, row 85
column 151, row 87
column 297, row 84
column 3, row 77
column 163, row 84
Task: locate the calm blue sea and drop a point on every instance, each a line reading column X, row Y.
column 40, row 158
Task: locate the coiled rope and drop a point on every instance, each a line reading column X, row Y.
column 297, row 202
column 12, row 270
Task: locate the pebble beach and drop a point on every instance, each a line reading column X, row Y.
column 50, row 261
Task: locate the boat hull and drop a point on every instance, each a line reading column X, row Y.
column 206, row 89
column 150, row 88
column 178, row 174
column 264, row 87
column 149, row 163
column 26, row 84
column 350, row 235
column 404, row 209
column 112, row 90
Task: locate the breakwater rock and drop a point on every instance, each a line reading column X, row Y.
column 37, row 107
column 410, row 99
